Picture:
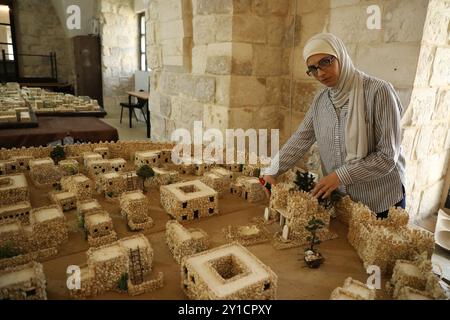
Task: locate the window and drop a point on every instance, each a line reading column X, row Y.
column 9, row 69
column 142, row 43
column 6, row 41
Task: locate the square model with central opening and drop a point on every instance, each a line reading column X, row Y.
column 189, row 200
column 229, row 272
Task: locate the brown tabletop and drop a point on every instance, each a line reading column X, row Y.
column 139, row 94
column 52, row 129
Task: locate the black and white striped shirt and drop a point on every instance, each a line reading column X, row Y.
column 375, row 180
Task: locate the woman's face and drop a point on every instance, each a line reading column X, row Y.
column 328, row 72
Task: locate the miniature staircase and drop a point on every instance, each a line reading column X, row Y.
column 130, row 183
column 136, row 272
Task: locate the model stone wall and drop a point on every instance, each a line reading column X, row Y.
column 13, row 189
column 134, row 207
column 382, row 242
column 206, row 274
column 107, row 264
column 184, row 242
column 31, row 287
column 48, row 233
column 189, row 200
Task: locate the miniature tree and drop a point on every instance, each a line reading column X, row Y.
column 313, row 226
column 82, row 225
column 122, row 284
column 312, row 256
column 72, row 170
column 58, row 154
column 109, row 194
column 304, row 181
column 8, row 251
column 145, row 172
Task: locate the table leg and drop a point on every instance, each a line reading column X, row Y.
column 129, row 114
column 129, row 110
column 148, row 121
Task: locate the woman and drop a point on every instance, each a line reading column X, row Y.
column 356, row 124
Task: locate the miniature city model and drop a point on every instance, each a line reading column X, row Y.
column 112, row 184
column 150, row 158
column 85, row 206
column 46, row 231
column 248, row 188
column 184, row 242
column 43, row 101
column 13, row 189
column 294, row 209
column 103, row 151
column 353, row 290
column 44, row 172
column 23, row 162
column 189, row 200
column 20, row 211
column 134, row 207
column 80, row 185
column 415, row 280
column 229, row 272
column 99, row 227
column 163, row 177
column 217, row 182
column 97, row 167
column 8, row 167
column 383, row 242
column 90, row 156
column 69, row 167
column 246, row 235
column 66, row 200
column 129, row 260
column 25, row 282
column 30, row 234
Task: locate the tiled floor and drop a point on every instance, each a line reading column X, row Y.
column 138, row 132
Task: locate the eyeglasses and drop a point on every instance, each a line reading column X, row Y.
column 323, row 64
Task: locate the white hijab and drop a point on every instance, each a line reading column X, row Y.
column 349, row 88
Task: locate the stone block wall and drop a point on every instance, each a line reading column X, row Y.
column 397, row 42
column 39, row 31
column 119, row 27
column 238, row 64
column 216, row 64
column 426, row 140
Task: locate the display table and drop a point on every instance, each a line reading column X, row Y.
column 51, row 129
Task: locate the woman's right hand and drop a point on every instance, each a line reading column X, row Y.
column 273, row 181
column 270, row 179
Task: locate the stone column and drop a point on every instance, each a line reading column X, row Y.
column 119, row 36
column 426, row 139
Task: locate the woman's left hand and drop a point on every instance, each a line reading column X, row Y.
column 326, row 186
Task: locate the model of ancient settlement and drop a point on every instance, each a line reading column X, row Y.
column 117, row 220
